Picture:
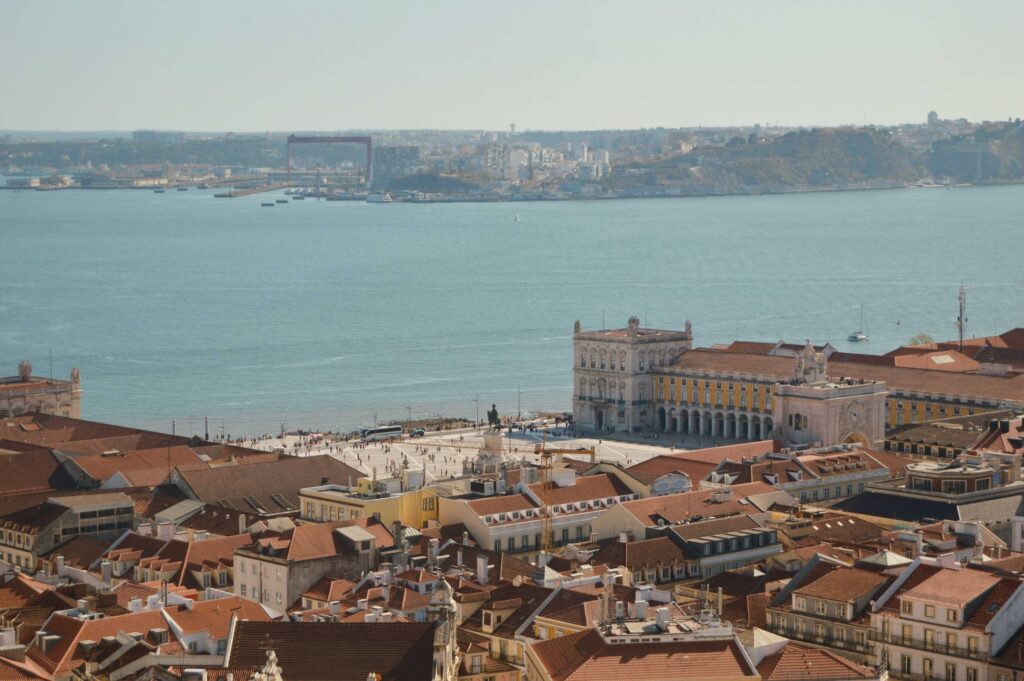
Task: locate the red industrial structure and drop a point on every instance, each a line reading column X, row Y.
column 368, row 141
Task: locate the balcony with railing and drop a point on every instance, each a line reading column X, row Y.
column 845, row 643
column 939, row 647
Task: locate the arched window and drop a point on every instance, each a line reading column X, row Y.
column 583, row 389
column 583, row 357
column 641, row 359
column 593, row 359
column 604, row 356
column 622, row 361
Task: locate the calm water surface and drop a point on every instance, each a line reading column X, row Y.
column 321, row 314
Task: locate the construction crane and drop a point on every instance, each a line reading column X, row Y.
column 548, row 459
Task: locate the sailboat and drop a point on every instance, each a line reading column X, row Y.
column 516, row 219
column 859, row 335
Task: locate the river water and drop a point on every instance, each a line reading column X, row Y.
column 179, row 306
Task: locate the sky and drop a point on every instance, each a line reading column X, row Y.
column 333, row 65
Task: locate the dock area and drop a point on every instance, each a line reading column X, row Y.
column 248, row 191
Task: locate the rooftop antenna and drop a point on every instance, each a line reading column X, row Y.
column 51, row 364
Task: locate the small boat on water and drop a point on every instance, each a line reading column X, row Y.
column 860, row 335
column 182, row 189
column 298, row 197
column 281, row 201
column 267, row 205
column 516, row 218
column 158, row 191
column 378, row 197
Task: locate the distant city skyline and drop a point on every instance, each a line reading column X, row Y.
column 253, row 67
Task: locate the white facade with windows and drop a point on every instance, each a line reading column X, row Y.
column 613, row 390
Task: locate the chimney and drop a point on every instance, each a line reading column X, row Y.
column 60, row 564
column 661, row 617
column 107, row 571
column 165, row 531
column 623, row 538
column 83, row 606
column 335, row 607
column 640, row 609
column 243, row 523
column 135, row 605
column 465, row 538
column 363, row 604
column 643, row 592
column 432, row 548
column 396, row 532
column 620, row 610
column 482, row 569
column 49, row 641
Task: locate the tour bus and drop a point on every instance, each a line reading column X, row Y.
column 382, row 433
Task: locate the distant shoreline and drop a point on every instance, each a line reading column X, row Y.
column 537, row 199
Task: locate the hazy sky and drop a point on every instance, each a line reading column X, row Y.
column 544, row 65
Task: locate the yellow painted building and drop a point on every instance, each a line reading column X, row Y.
column 330, row 503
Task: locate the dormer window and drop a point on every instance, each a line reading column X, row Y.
column 906, row 607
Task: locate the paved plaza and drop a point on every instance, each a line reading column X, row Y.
column 442, row 453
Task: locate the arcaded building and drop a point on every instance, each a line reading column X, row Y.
column 637, row 379
column 26, row 393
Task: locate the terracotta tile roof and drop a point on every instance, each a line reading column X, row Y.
column 585, row 488
column 937, row 360
column 33, row 519
column 841, row 527
column 650, row 470
column 14, row 670
column 843, row 584
column 391, row 598
column 735, row 452
column 211, row 553
column 60, row 432
column 953, row 587
column 79, row 552
column 66, row 654
column 635, row 555
column 993, row 602
column 586, row 657
column 216, row 520
column 707, row 528
column 32, row 471
column 214, row 616
column 505, row 503
column 797, row 662
column 323, row 650
column 531, row 597
column 329, row 589
column 417, row 576
column 20, row 591
column 151, row 466
column 319, row 540
column 897, row 378
column 678, row 507
column 273, row 485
